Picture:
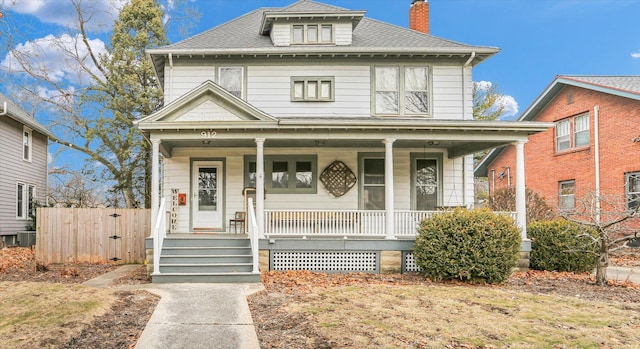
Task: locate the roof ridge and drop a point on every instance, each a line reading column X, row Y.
column 315, row 2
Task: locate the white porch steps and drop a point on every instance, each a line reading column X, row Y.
column 190, row 258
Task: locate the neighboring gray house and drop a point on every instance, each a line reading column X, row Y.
column 23, row 169
column 354, row 128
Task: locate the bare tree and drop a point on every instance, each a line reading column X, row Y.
column 73, row 190
column 89, row 93
column 615, row 219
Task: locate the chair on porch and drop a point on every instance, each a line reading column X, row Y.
column 238, row 221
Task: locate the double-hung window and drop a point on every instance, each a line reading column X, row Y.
column 401, row 90
column 27, row 143
column 632, row 189
column 572, row 133
column 372, row 195
column 25, row 200
column 232, row 80
column 284, row 174
column 567, row 195
column 563, row 141
column 425, row 181
column 312, row 34
column 312, row 89
column 581, row 130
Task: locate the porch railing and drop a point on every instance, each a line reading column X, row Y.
column 252, row 229
column 159, row 232
column 343, row 222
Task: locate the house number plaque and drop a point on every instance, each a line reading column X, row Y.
column 208, row 134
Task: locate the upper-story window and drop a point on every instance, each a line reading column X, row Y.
column 572, row 133
column 401, row 90
column 312, row 34
column 232, row 80
column 312, row 89
column 27, row 143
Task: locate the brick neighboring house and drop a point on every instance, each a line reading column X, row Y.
column 562, row 163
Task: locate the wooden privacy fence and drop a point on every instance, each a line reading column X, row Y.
column 94, row 235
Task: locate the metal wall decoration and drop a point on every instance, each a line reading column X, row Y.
column 337, row 178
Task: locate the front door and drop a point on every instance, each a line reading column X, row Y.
column 207, row 210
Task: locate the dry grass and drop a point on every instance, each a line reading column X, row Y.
column 32, row 313
column 394, row 316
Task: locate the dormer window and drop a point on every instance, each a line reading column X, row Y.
column 312, row 34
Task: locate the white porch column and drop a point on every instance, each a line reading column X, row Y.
column 260, row 185
column 155, row 180
column 388, row 188
column 521, row 207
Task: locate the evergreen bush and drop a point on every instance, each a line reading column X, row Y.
column 469, row 245
column 561, row 245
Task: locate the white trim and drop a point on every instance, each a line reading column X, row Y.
column 28, row 155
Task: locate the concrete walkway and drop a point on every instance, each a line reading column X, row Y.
column 201, row 316
column 624, row 274
column 193, row 315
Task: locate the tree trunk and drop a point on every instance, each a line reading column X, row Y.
column 603, row 263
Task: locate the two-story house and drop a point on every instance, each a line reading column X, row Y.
column 592, row 152
column 23, row 171
column 343, row 131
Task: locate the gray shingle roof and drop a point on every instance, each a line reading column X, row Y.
column 242, row 34
column 629, row 84
column 17, row 113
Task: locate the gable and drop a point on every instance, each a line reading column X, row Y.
column 206, row 103
column 208, row 108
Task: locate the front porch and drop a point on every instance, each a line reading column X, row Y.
column 317, row 240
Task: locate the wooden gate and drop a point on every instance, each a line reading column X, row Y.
column 94, row 235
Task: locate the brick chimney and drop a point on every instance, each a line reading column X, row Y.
column 419, row 16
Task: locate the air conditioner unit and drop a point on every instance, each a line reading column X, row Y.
column 26, row 238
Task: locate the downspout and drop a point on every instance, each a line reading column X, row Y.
column 170, row 77
column 466, row 65
column 492, row 187
column 596, row 155
column 5, row 109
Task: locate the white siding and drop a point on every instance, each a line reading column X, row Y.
column 185, row 79
column 281, row 34
column 177, row 175
column 208, row 111
column 269, row 89
column 343, row 34
column 447, row 92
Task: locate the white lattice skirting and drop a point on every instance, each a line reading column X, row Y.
column 409, row 263
column 329, row 261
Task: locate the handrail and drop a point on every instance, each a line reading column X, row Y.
column 252, row 226
column 159, row 231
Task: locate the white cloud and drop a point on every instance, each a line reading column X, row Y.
column 509, row 104
column 101, row 12
column 635, row 54
column 54, row 58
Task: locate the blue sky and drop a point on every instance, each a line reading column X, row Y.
column 539, row 39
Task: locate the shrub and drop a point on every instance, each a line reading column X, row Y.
column 537, row 207
column 468, row 245
column 562, row 245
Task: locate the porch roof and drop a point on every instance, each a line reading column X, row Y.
column 459, row 137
